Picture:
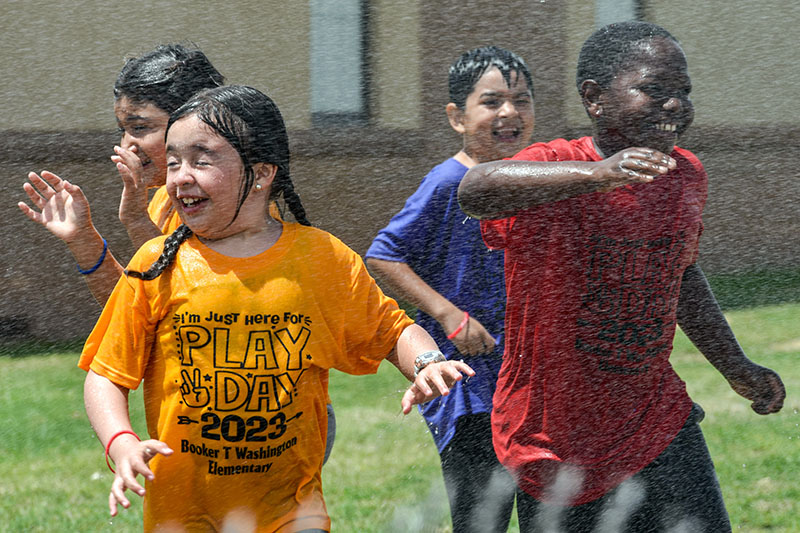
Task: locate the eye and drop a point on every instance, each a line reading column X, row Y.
column 491, row 102
column 173, row 163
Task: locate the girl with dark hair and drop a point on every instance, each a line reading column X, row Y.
column 232, row 323
column 147, row 90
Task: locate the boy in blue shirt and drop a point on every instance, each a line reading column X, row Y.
column 431, row 254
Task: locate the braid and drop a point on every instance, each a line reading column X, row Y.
column 171, row 245
column 292, row 200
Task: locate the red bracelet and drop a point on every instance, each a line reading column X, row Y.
column 460, row 327
column 114, row 436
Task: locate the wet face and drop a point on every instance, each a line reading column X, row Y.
column 143, row 126
column 647, row 103
column 204, row 173
column 497, row 120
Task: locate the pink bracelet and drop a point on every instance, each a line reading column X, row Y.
column 114, row 436
column 460, row 326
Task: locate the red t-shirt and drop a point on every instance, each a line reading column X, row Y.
column 593, row 284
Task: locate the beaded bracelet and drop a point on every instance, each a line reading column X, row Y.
column 460, row 326
column 114, row 436
column 99, row 261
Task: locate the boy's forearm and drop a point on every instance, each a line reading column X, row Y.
column 410, row 287
column 500, row 188
column 701, row 318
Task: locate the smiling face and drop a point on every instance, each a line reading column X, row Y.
column 204, row 174
column 497, row 120
column 143, row 126
column 647, row 103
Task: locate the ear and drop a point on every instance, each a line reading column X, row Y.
column 456, row 117
column 264, row 174
column 592, row 97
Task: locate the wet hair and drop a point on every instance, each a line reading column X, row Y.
column 609, row 49
column 166, row 77
column 468, row 69
column 250, row 122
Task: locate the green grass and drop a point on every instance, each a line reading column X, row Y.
column 384, row 472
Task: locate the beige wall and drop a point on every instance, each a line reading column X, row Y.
column 63, row 57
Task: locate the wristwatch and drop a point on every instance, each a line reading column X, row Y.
column 426, row 358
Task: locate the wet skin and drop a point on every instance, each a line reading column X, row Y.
column 647, row 103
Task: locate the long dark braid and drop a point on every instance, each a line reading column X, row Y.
column 282, row 185
column 171, row 245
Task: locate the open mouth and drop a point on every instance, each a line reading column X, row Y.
column 506, row 134
column 666, row 128
column 190, row 204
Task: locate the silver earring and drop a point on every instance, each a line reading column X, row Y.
column 258, row 186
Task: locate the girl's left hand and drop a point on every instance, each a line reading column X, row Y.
column 434, row 380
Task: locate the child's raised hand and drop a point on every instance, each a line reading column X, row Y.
column 432, row 381
column 131, row 459
column 60, row 206
column 634, row 165
column 133, row 203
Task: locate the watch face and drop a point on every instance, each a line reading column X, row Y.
column 426, row 358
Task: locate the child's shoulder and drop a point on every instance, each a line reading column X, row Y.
column 447, row 173
column 317, row 239
column 684, row 157
column 147, row 253
column 559, row 150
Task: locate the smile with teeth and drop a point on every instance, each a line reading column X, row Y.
column 506, row 132
column 189, row 202
column 670, row 128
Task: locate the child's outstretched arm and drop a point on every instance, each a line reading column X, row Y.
column 470, row 339
column 133, row 202
column 107, row 409
column 435, row 379
column 499, row 188
column 63, row 209
column 701, row 318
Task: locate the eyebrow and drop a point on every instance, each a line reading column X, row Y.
column 203, row 149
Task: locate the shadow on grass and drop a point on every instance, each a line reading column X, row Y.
column 15, row 347
column 756, row 289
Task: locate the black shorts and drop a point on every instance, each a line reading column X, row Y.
column 678, row 491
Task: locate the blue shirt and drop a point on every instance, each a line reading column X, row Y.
column 443, row 246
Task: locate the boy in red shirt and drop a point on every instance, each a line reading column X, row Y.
column 601, row 238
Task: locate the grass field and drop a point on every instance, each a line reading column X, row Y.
column 383, row 474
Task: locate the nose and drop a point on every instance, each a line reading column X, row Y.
column 673, row 104
column 127, row 140
column 180, row 175
column 507, row 109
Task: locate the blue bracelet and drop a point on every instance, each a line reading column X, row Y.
column 99, row 261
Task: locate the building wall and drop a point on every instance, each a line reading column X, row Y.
column 60, row 61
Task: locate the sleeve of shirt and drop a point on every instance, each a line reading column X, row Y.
column 496, row 233
column 160, row 209
column 372, row 321
column 119, row 346
column 406, row 238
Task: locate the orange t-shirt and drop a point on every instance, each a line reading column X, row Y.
column 234, row 354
